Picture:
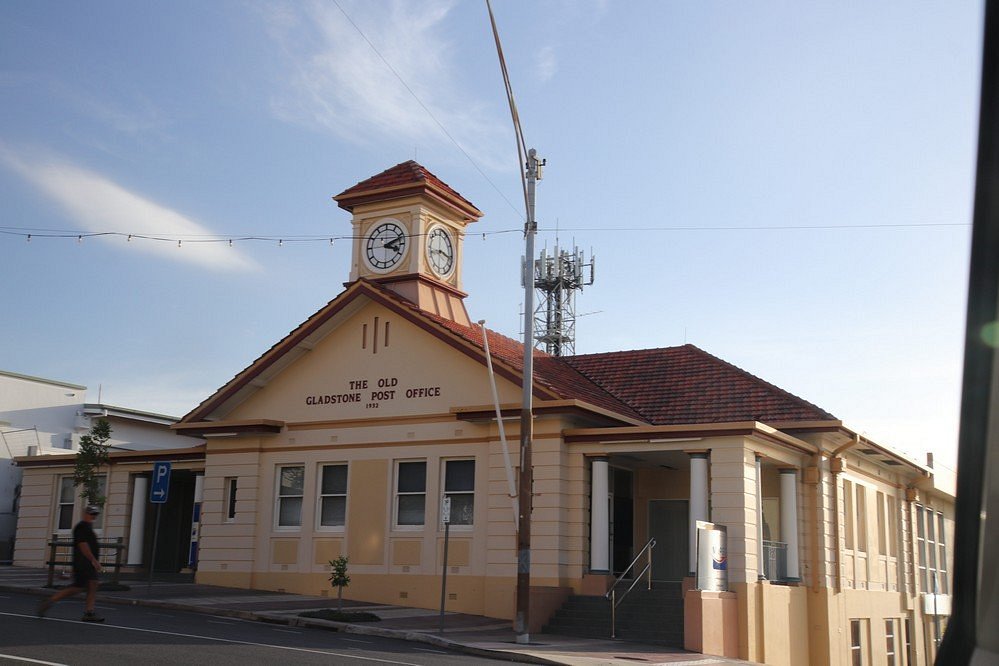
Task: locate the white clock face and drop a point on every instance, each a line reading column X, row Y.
column 440, row 251
column 385, row 246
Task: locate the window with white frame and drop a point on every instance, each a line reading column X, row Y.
column 333, row 496
column 857, row 642
column 291, row 489
column 67, row 500
column 459, row 486
column 932, row 549
column 230, row 498
column 910, row 656
column 890, row 641
column 410, row 493
column 942, row 555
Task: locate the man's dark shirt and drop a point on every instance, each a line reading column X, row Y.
column 84, row 533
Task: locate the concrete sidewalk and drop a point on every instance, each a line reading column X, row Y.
column 468, row 633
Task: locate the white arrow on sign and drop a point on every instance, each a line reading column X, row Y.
column 159, row 493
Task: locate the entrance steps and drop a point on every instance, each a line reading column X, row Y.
column 654, row 615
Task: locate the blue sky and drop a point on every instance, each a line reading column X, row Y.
column 694, row 146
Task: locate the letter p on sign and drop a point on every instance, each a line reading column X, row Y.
column 159, row 489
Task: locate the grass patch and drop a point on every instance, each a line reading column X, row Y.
column 338, row 616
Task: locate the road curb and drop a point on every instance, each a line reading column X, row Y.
column 298, row 621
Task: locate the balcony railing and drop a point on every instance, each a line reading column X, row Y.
column 775, row 560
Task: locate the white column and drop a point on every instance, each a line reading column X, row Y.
column 759, row 518
column 698, row 501
column 199, row 488
column 599, row 517
column 789, row 520
column 199, row 496
column 140, row 494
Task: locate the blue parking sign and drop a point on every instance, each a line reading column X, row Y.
column 160, row 487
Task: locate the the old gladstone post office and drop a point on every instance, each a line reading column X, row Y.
column 344, row 437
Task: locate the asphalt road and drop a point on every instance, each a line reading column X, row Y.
column 140, row 635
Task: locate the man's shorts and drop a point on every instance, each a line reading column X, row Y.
column 82, row 577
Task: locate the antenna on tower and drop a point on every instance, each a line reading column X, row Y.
column 557, row 278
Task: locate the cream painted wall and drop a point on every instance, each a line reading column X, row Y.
column 413, row 360
column 37, row 516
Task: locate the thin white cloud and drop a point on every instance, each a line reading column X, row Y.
column 339, row 84
column 97, row 204
column 137, row 116
column 547, row 64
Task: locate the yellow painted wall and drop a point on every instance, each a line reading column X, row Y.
column 413, row 361
column 38, row 506
column 368, row 492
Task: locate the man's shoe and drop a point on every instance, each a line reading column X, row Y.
column 43, row 608
column 92, row 617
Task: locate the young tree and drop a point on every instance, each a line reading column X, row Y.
column 339, row 579
column 93, row 454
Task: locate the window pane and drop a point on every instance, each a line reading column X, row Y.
column 232, row 499
column 334, row 511
column 334, row 480
column 292, row 480
column 290, row 512
column 919, row 522
column 857, row 657
column 462, row 509
column 459, row 475
column 940, row 530
column 890, row 641
column 410, row 509
column 65, row 516
column 66, row 490
column 413, row 477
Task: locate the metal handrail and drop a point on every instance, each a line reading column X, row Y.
column 612, row 593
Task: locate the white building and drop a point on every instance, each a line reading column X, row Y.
column 44, row 417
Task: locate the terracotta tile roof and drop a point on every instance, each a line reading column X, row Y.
column 549, row 371
column 676, row 385
column 668, row 386
column 395, row 181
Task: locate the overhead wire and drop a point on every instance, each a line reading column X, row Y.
column 30, row 233
column 425, row 107
column 518, row 130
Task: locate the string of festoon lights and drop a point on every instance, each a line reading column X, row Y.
column 29, row 234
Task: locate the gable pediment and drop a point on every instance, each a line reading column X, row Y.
column 375, row 364
column 364, row 355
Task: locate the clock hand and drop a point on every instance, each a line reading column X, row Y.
column 393, row 244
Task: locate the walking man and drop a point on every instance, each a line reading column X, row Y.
column 86, row 566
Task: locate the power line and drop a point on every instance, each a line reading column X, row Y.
column 771, row 227
column 31, row 233
column 424, row 106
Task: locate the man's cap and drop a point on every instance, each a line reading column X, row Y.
column 93, row 510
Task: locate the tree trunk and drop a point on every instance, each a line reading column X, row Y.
column 339, row 599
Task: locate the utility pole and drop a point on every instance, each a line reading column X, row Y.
column 529, row 178
column 526, row 493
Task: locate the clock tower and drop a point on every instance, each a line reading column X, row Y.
column 408, row 227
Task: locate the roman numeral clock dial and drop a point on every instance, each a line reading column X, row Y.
column 385, row 246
